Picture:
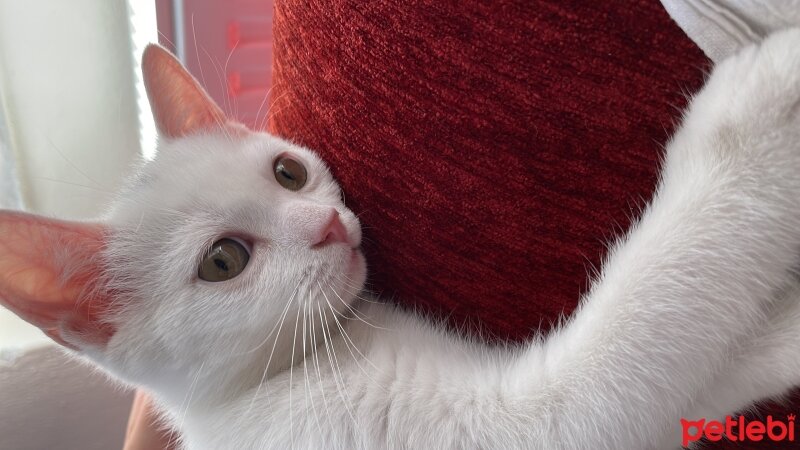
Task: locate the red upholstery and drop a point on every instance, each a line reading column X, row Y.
column 491, row 148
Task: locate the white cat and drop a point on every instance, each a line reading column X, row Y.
column 226, row 277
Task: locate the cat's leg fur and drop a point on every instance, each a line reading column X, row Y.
column 766, row 364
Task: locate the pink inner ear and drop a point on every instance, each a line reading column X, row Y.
column 180, row 105
column 49, row 273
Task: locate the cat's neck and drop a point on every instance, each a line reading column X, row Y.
column 229, row 378
column 341, row 359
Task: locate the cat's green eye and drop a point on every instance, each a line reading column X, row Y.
column 226, row 259
column 290, row 173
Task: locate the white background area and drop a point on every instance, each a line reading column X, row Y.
column 68, row 91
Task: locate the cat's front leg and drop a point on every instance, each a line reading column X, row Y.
column 699, row 272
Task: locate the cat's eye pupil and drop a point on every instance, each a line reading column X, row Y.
column 286, row 174
column 290, row 173
column 226, row 259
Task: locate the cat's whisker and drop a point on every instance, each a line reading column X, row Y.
column 315, row 362
column 139, row 225
column 257, row 121
column 220, row 78
column 163, row 209
column 225, row 70
column 164, row 38
column 70, row 183
column 270, row 110
column 320, row 380
column 197, row 52
column 357, row 294
column 346, row 339
column 271, row 102
column 188, row 397
column 350, row 345
column 351, row 313
column 309, row 393
column 365, row 239
column 230, row 105
column 354, row 311
column 333, row 360
column 203, row 77
column 228, row 60
column 291, row 376
column 74, row 166
column 363, row 299
column 274, row 344
column 357, row 291
column 274, row 327
column 150, row 205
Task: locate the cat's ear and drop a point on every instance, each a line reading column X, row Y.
column 49, row 273
column 180, row 105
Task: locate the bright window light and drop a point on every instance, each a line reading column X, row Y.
column 144, row 30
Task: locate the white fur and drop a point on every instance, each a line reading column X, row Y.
column 686, row 318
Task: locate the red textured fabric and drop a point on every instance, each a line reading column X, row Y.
column 491, row 148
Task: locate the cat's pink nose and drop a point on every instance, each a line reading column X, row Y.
column 333, row 232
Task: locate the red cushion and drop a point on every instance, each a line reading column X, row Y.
column 491, row 149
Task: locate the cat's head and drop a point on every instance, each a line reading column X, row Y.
column 210, row 259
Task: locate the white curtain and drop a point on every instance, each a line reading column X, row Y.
column 69, row 131
column 9, row 185
column 68, row 79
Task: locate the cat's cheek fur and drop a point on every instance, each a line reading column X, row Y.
column 173, row 325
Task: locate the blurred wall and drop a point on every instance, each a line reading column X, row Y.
column 51, row 401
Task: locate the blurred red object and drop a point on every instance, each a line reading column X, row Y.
column 492, row 150
column 227, row 45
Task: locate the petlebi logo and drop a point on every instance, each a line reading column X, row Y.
column 738, row 430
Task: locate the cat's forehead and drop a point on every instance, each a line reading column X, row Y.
column 221, row 171
column 224, row 154
column 226, row 161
